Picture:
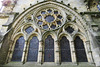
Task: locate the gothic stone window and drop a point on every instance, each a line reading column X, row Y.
column 48, row 20
column 33, row 49
column 29, row 29
column 80, row 50
column 49, row 49
column 65, row 50
column 18, row 50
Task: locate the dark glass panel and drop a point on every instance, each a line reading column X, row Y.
column 55, row 12
column 98, row 6
column 53, row 26
column 33, row 49
column 69, row 29
column 59, row 16
column 43, row 12
column 79, row 43
column 49, row 43
column 49, row 18
column 49, row 55
column 65, row 50
column 59, row 22
column 18, row 50
column 29, row 29
column 49, row 11
column 65, row 56
column 49, row 49
column 32, row 55
column 45, row 26
column 40, row 22
column 80, row 50
column 81, row 55
column 39, row 17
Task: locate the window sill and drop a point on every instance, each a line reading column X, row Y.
column 48, row 64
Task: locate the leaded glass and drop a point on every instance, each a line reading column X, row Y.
column 59, row 22
column 60, row 17
column 49, row 11
column 43, row 12
column 29, row 29
column 33, row 49
column 49, row 18
column 55, row 12
column 69, row 29
column 98, row 5
column 53, row 26
column 65, row 50
column 18, row 50
column 40, row 22
column 80, row 50
column 45, row 26
column 49, row 49
column 39, row 17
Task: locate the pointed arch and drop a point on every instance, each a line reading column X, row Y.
column 33, row 49
column 65, row 49
column 18, row 50
column 49, row 49
column 80, row 50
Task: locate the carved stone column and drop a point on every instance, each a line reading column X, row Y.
column 90, row 58
column 57, row 52
column 73, row 54
column 40, row 52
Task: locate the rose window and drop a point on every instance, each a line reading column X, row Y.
column 49, row 19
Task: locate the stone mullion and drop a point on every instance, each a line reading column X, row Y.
column 40, row 52
column 73, row 53
column 24, row 52
column 57, row 52
column 89, row 52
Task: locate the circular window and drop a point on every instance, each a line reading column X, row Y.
column 69, row 29
column 49, row 19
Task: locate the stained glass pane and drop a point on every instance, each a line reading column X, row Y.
column 43, row 12
column 65, row 50
column 49, row 49
column 49, row 11
column 79, row 43
column 59, row 22
column 40, row 22
column 60, row 17
column 98, row 6
column 80, row 50
column 45, row 26
column 53, row 26
column 55, row 12
column 33, row 49
column 49, row 55
column 29, row 29
column 69, row 29
column 18, row 50
column 49, row 18
column 39, row 17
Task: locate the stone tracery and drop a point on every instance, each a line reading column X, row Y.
column 49, row 19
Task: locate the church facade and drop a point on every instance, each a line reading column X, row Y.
column 50, row 33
